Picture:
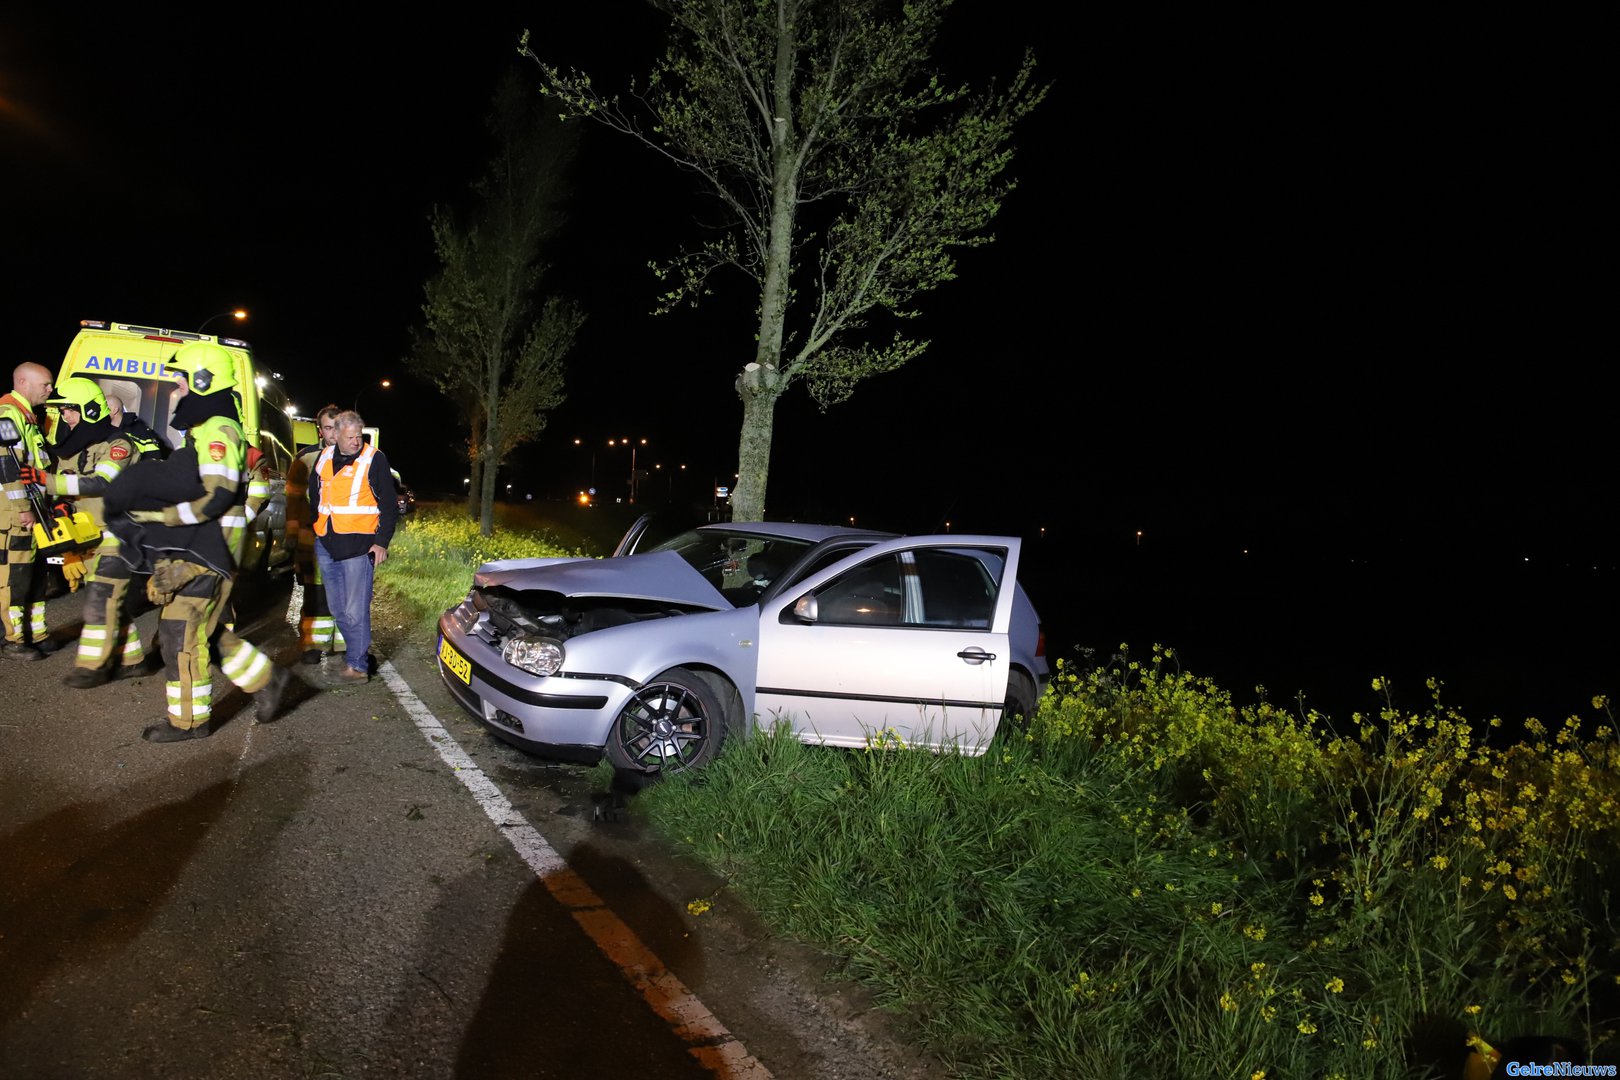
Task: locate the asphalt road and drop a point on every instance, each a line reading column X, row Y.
column 369, row 887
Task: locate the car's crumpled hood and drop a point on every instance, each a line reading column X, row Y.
column 656, row 575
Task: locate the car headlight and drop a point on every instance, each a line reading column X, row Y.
column 542, row 656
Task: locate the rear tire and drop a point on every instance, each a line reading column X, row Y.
column 1020, row 704
column 674, row 722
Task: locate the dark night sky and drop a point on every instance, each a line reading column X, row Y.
column 1259, row 282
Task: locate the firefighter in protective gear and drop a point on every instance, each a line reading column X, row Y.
column 317, row 630
column 22, row 591
column 90, row 454
column 197, row 542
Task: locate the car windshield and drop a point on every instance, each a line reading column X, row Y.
column 741, row 565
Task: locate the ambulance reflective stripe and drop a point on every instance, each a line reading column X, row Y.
column 202, row 701
column 246, row 666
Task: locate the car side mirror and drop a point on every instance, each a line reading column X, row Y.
column 805, row 609
column 9, row 435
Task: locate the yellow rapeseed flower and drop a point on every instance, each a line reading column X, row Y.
column 1317, row 899
column 1306, row 1027
column 1439, row 862
column 698, row 907
column 1228, row 1004
column 1510, row 892
column 1471, row 1010
column 1335, row 985
column 1258, row 1074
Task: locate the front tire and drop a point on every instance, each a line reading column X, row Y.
column 674, row 722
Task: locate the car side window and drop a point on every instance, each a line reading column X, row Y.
column 957, row 590
column 868, row 595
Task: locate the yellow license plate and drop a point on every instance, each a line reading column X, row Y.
column 455, row 661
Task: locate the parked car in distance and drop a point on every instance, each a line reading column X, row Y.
column 655, row 657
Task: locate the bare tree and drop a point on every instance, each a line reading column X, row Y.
column 485, row 345
column 848, row 173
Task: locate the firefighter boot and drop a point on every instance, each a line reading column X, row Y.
column 267, row 702
column 83, row 678
column 166, row 732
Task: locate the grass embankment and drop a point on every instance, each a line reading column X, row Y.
column 434, row 552
column 1151, row 880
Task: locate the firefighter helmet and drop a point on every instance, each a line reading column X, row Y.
column 209, row 368
column 82, row 394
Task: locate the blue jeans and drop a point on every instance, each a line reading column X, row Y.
column 348, row 595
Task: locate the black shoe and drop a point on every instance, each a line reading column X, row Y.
column 46, row 646
column 167, row 732
column 312, row 656
column 16, row 650
column 83, row 678
column 267, row 702
column 148, row 665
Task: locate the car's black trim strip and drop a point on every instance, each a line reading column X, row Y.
column 529, row 697
column 620, row 679
column 883, row 698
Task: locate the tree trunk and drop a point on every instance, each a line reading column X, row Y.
column 475, row 484
column 486, row 494
column 759, row 387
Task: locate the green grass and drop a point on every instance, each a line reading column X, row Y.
column 435, row 551
column 1152, row 881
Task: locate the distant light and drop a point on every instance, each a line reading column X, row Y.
column 260, row 381
column 292, row 410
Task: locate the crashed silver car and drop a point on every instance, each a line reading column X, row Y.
column 656, row 657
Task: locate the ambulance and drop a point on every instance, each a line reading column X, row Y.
column 127, row 360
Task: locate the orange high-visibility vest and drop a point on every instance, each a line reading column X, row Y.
column 347, row 500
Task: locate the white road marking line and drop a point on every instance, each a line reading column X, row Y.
column 707, row 1039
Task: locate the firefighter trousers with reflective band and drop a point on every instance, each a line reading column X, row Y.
column 109, row 637
column 184, row 626
column 22, row 588
column 317, row 629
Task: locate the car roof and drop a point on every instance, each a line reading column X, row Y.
column 795, row 530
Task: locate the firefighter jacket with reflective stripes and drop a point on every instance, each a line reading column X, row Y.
column 31, row 451
column 221, row 454
column 354, row 501
column 86, row 476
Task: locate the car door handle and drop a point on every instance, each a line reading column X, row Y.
column 975, row 655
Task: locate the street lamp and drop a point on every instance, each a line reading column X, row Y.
column 385, row 384
column 239, row 314
column 633, row 445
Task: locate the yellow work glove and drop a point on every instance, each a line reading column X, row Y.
column 74, row 568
